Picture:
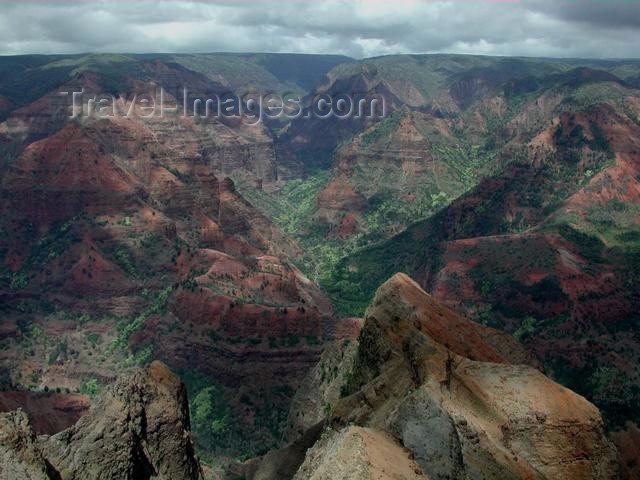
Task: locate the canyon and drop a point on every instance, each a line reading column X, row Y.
column 246, row 258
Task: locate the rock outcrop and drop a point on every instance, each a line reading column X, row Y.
column 458, row 396
column 320, row 388
column 139, row 429
column 453, row 396
column 358, row 453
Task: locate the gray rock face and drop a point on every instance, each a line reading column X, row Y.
column 429, row 432
column 139, row 429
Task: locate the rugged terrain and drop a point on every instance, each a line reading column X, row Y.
column 507, row 187
column 124, row 242
column 545, row 248
column 429, row 394
column 425, row 393
column 138, row 429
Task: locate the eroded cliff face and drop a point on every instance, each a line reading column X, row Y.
column 627, row 441
column 392, row 166
column 545, row 247
column 123, row 241
column 422, row 393
column 458, row 396
column 138, row 429
column 323, row 384
column 122, row 244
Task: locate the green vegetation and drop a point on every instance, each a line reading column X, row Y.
column 392, row 205
column 126, row 327
column 589, row 247
column 209, row 416
column 430, row 74
column 29, row 329
column 528, row 327
column 615, row 392
column 93, row 338
column 404, row 224
column 123, row 259
column 572, row 138
column 346, row 387
column 219, row 417
column 27, row 78
column 594, row 93
column 211, row 420
column 383, row 129
column 277, row 73
column 614, row 222
column 294, row 204
column 91, row 387
column 45, row 250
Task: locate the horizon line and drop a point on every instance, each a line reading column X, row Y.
column 400, row 54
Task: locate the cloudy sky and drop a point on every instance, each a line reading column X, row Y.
column 358, row 28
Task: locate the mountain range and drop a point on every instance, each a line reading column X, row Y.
column 244, row 258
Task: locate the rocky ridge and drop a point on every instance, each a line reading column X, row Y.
column 427, row 386
column 139, row 429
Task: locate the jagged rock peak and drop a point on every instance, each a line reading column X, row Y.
column 139, row 429
column 449, row 390
column 426, row 393
column 400, row 306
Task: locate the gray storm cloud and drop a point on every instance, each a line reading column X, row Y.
column 358, row 28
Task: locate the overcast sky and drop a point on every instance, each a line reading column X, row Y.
column 358, row 28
